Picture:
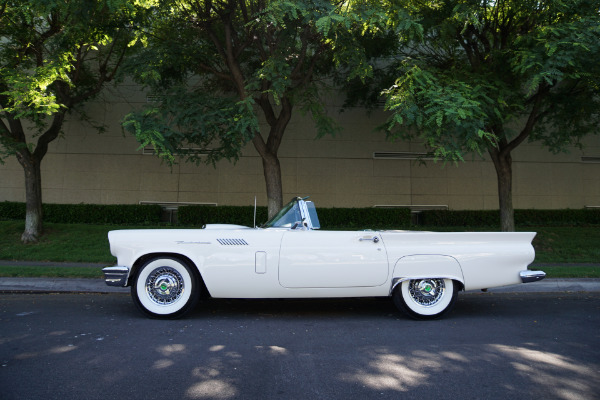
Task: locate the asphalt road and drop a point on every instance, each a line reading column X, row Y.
column 492, row 346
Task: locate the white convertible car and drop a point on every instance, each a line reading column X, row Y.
column 169, row 270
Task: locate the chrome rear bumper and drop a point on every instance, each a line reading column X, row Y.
column 116, row 276
column 531, row 276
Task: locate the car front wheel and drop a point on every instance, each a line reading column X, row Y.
column 165, row 287
column 425, row 298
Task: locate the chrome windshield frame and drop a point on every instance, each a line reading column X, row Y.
column 294, row 215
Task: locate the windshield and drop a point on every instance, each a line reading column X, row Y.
column 287, row 217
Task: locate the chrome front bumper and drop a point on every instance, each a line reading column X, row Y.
column 116, row 276
column 531, row 276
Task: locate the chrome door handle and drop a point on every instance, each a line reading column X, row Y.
column 374, row 239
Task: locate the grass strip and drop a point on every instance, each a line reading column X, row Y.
column 89, row 244
column 569, row 271
column 50, row 272
column 60, row 242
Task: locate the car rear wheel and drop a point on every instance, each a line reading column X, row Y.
column 425, row 298
column 166, row 287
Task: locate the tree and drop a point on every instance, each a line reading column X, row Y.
column 54, row 56
column 220, row 65
column 490, row 74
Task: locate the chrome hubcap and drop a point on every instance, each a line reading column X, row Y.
column 426, row 292
column 164, row 285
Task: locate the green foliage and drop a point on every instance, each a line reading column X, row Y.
column 51, row 272
column 484, row 67
column 566, row 244
column 523, row 218
column 87, row 213
column 560, row 59
column 490, row 75
column 65, row 242
column 565, row 217
column 474, row 218
column 89, row 243
column 210, row 127
column 10, row 210
column 445, row 110
column 55, row 54
column 219, row 67
column 238, row 215
column 102, row 214
column 364, row 218
column 330, row 218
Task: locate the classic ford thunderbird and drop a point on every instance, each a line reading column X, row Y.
column 169, row 270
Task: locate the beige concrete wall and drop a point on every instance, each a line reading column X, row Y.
column 108, row 168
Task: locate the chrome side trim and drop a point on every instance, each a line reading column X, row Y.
column 116, row 276
column 232, row 242
column 531, row 276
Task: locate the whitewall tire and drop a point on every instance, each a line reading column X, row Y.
column 166, row 287
column 426, row 298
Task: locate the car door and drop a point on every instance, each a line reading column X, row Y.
column 332, row 259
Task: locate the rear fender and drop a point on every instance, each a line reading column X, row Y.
column 422, row 266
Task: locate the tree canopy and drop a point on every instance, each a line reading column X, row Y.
column 220, row 66
column 54, row 56
column 491, row 74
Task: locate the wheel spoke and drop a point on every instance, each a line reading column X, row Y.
column 426, row 292
column 164, row 285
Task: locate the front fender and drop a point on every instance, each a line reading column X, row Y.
column 421, row 266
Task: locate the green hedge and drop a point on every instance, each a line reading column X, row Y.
column 12, row 210
column 565, row 217
column 362, row 218
column 330, row 218
column 88, row 213
column 459, row 218
column 239, row 215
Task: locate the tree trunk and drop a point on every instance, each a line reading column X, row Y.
column 503, row 164
column 268, row 151
column 272, row 172
column 31, row 163
column 33, row 199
